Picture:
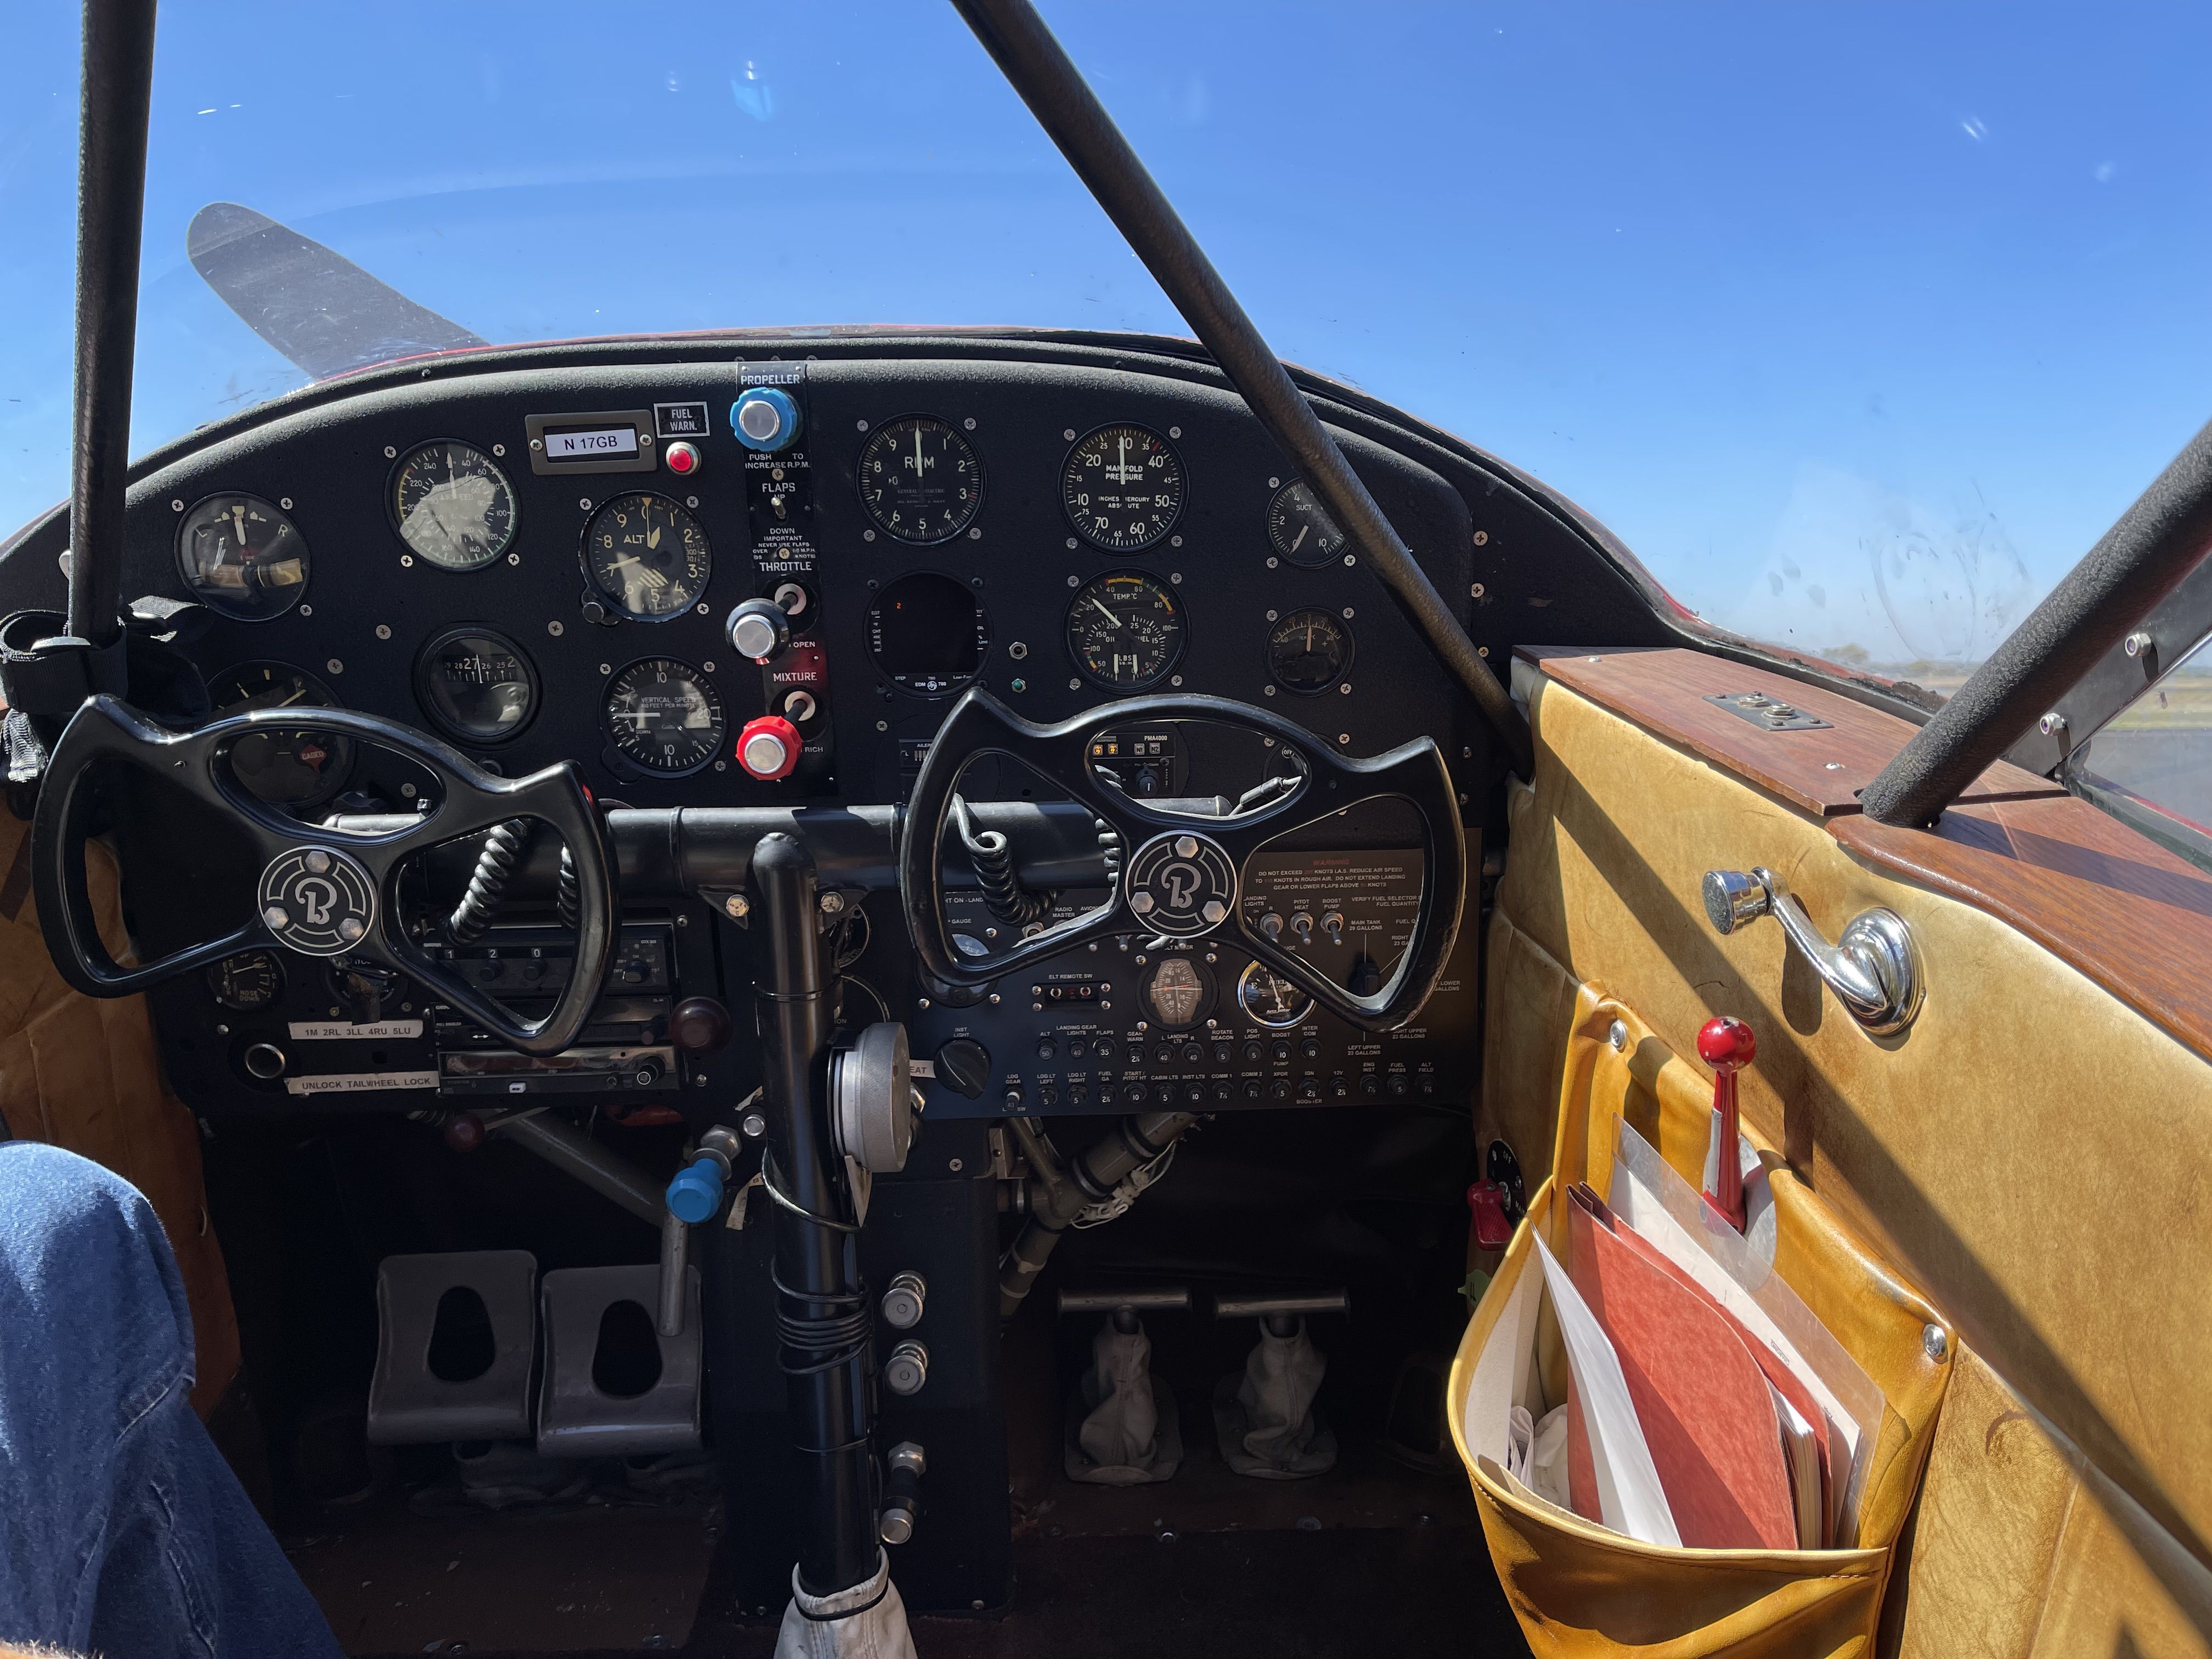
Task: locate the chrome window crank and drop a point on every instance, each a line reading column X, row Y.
column 1874, row 969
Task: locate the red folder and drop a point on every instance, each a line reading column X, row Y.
column 1701, row 1399
column 1787, row 1383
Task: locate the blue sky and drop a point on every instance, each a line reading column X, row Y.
column 1857, row 324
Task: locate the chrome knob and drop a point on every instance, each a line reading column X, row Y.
column 1734, row 898
column 904, row 1299
column 907, row 1369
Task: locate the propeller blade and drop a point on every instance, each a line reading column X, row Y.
column 318, row 307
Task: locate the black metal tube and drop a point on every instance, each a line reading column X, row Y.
column 1070, row 113
column 1057, row 1197
column 2157, row 542
column 117, row 88
column 817, row 1266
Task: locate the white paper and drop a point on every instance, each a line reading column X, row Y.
column 1501, row 1371
column 1629, row 1498
column 1547, row 1457
column 1648, row 1196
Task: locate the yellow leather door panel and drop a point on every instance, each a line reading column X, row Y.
column 2034, row 1156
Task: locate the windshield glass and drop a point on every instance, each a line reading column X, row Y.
column 1856, row 324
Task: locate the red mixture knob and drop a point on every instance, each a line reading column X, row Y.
column 768, row 747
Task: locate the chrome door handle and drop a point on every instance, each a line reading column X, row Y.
column 1874, row 969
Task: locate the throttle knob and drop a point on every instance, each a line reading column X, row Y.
column 768, row 747
column 759, row 630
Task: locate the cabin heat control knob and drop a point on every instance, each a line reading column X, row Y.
column 768, row 747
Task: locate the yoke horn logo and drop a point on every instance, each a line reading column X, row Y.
column 1180, row 885
column 317, row 900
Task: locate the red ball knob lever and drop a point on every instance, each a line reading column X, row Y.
column 768, row 747
column 1727, row 1046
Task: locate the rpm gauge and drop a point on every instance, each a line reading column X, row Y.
column 285, row 766
column 1125, row 631
column 1122, row 488
column 1308, row 651
column 647, row 556
column 242, row 557
column 920, row 480
column 1265, row 996
column 663, row 715
column 453, row 505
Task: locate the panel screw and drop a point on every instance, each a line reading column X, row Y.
column 1175, row 432
column 1075, row 581
column 606, row 668
column 514, row 558
column 1271, row 616
column 832, row 903
column 1268, row 689
column 1175, row 679
column 1273, row 561
column 555, row 629
column 2135, row 644
column 1475, row 591
column 499, row 449
column 284, row 501
column 1274, row 483
column 177, row 506
column 335, row 665
column 1934, row 1343
column 969, row 422
column 1069, row 434
column 882, row 726
column 383, row 631
column 1481, row 650
column 1347, row 613
column 1344, row 737
column 2051, row 724
column 1075, row 685
column 406, row 561
column 1348, row 559
column 1175, row 576
column 859, row 426
column 1175, row 541
column 307, row 611
column 1481, row 537
column 586, row 503
column 1344, row 690
column 1070, row 545
column 736, row 906
column 390, row 452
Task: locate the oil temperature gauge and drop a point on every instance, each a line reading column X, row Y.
column 247, row 983
column 1125, row 631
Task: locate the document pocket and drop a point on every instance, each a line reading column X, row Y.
column 1580, row 1589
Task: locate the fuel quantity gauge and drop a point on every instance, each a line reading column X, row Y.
column 1308, row 651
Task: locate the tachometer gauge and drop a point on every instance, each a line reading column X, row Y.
column 246, row 983
column 1300, row 526
column 920, row 479
column 242, row 557
column 1272, row 1000
column 663, row 715
column 647, row 555
column 453, row 505
column 1122, row 488
column 1308, row 651
column 288, row 766
column 1125, row 631
column 476, row 684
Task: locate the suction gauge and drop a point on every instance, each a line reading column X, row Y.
column 289, row 766
column 1300, row 527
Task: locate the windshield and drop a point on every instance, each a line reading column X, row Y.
column 1856, row 324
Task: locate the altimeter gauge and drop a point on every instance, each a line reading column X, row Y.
column 453, row 505
column 647, row 556
column 920, row 480
column 1122, row 488
column 1125, row 631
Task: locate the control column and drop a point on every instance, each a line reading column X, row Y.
column 822, row 1316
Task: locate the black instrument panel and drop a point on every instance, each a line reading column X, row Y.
column 1062, row 534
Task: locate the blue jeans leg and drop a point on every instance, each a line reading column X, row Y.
column 122, row 1530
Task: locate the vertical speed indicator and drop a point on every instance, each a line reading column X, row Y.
column 1122, row 488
